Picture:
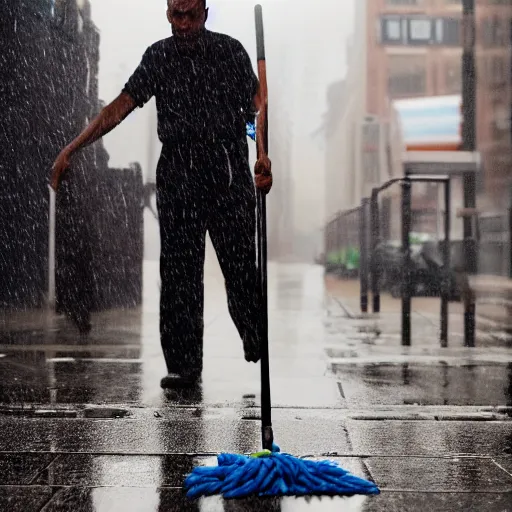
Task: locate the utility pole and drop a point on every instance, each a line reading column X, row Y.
column 469, row 144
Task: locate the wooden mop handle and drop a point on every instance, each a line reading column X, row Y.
column 262, row 68
column 266, row 407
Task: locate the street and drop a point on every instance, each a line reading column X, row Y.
column 86, row 427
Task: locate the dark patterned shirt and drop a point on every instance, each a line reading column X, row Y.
column 204, row 96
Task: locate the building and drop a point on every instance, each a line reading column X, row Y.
column 401, row 49
column 346, row 102
column 48, row 93
column 494, row 102
column 413, row 50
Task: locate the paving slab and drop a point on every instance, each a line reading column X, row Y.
column 430, row 438
column 84, row 470
column 126, row 499
column 169, row 500
column 426, row 383
column 440, row 502
column 214, row 433
column 57, row 366
column 85, row 426
column 429, row 474
column 26, row 499
column 18, row 468
column 114, row 470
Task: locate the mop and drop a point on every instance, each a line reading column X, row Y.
column 270, row 472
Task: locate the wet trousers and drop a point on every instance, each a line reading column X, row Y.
column 204, row 188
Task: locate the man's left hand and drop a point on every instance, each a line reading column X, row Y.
column 263, row 172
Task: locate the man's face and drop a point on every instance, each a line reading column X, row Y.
column 187, row 18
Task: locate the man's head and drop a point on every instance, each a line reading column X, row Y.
column 187, row 18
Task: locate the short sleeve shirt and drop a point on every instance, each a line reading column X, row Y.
column 205, row 96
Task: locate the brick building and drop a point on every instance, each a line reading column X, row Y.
column 413, row 50
column 494, row 101
column 400, row 49
column 406, row 49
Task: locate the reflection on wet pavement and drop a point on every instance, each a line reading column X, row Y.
column 130, row 499
column 170, row 500
column 185, row 431
column 421, row 383
column 121, row 363
column 85, row 426
column 431, row 438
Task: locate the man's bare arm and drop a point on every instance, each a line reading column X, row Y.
column 263, row 167
column 110, row 117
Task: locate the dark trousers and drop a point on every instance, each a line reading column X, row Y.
column 204, row 188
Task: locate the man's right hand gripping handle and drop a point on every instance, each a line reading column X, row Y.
column 111, row 116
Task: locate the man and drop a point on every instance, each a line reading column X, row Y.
column 206, row 91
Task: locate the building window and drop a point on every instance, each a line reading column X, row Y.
column 496, row 70
column 420, row 30
column 453, row 75
column 510, row 125
column 371, row 167
column 370, row 157
column 451, row 32
column 494, row 32
column 500, row 122
column 407, row 76
column 371, row 136
column 393, row 29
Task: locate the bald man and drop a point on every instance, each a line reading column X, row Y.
column 206, row 91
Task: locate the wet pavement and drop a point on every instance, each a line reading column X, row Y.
column 85, row 426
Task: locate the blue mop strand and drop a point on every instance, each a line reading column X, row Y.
column 274, row 474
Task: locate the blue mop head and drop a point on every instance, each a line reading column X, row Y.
column 274, row 474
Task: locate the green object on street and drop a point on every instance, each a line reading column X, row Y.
column 348, row 258
column 352, row 259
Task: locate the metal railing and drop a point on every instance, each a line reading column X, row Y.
column 370, row 270
column 342, row 236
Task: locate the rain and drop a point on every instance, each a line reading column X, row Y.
column 220, row 237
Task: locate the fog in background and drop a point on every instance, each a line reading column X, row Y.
column 306, row 52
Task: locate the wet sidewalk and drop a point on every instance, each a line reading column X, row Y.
column 85, row 426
